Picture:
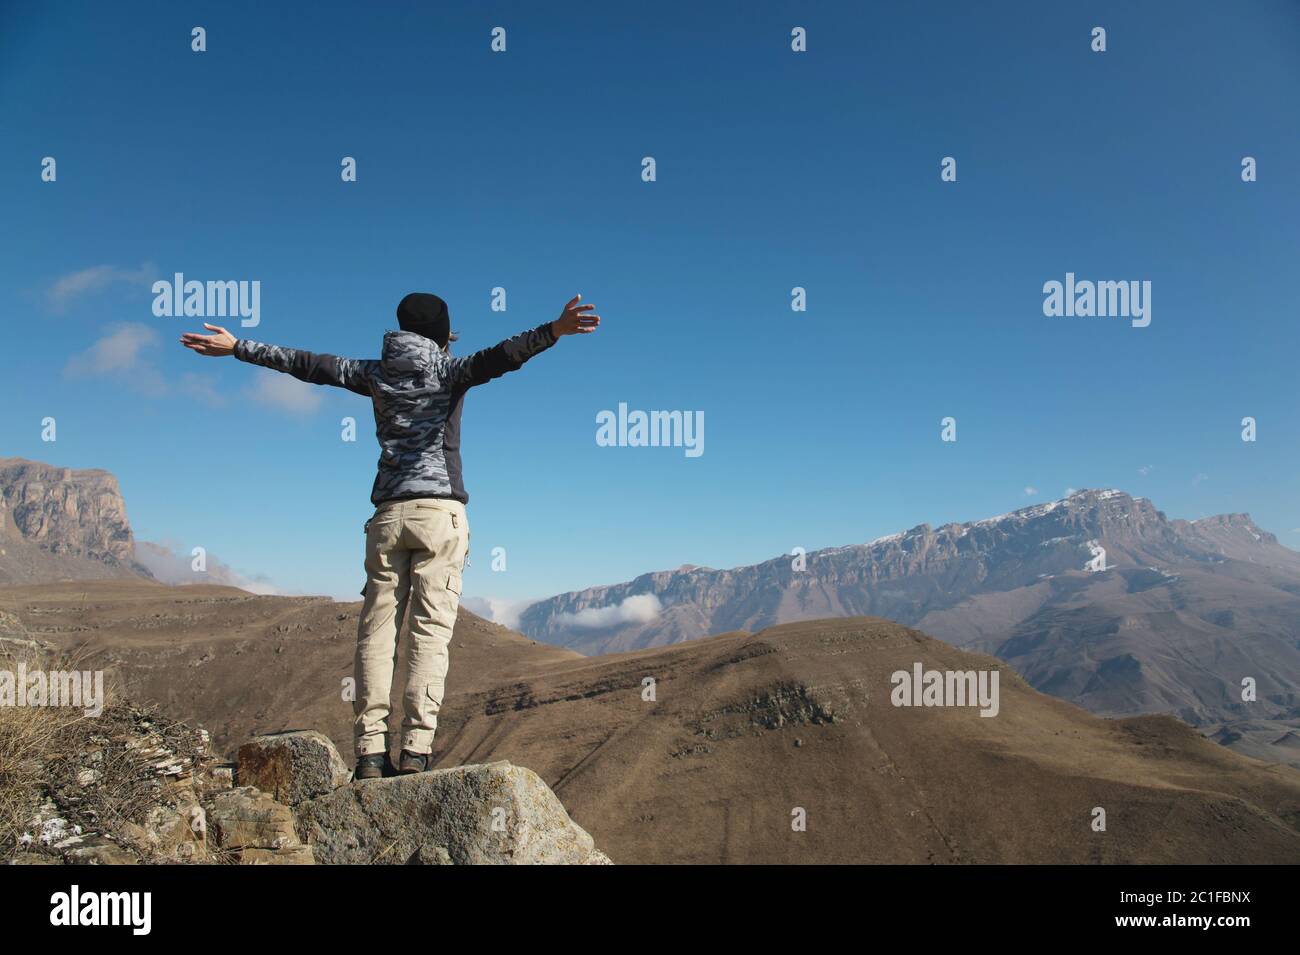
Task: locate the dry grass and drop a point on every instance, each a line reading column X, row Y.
column 112, row 769
column 28, row 737
column 99, row 771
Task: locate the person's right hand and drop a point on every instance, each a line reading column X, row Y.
column 575, row 319
column 218, row 345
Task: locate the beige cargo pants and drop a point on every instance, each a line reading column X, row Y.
column 415, row 554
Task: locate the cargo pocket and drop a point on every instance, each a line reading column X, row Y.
column 440, row 597
column 366, row 531
column 431, row 704
column 450, row 602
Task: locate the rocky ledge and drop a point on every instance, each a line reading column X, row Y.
column 150, row 791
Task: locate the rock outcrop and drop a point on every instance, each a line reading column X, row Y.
column 492, row 814
column 128, row 787
column 292, row 766
column 255, row 829
column 59, row 523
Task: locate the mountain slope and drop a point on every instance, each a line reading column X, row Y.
column 747, row 729
column 742, row 730
column 238, row 664
column 1181, row 613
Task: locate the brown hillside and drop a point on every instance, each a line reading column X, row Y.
column 744, row 729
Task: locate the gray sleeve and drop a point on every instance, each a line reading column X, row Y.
column 349, row 373
column 509, row 355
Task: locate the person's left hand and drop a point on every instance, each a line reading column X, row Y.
column 575, row 319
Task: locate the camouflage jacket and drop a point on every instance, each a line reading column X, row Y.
column 417, row 389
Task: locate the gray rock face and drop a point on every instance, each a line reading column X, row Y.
column 495, row 813
column 60, row 523
column 97, row 850
column 292, row 766
column 254, row 829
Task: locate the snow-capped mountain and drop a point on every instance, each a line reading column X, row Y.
column 1098, row 598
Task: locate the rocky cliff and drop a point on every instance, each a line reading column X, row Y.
column 62, row 524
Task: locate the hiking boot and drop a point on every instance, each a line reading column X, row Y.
column 374, row 766
column 414, row 763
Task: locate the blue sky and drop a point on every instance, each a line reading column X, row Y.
column 775, row 169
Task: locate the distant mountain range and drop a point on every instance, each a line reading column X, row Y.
column 1098, row 598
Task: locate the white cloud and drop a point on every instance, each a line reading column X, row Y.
column 281, row 391
column 121, row 354
column 1200, row 479
column 1031, row 492
column 1146, row 469
column 202, row 387
column 172, row 564
column 118, row 355
column 68, row 288
column 500, row 610
column 117, row 351
column 639, row 609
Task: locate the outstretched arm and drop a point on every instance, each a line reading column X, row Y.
column 316, row 369
column 511, row 354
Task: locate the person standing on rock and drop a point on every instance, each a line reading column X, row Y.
column 418, row 538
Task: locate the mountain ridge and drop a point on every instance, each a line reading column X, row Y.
column 1217, row 529
column 1099, row 598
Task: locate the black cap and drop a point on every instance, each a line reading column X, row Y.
column 425, row 314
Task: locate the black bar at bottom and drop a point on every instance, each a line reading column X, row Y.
column 303, row 903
